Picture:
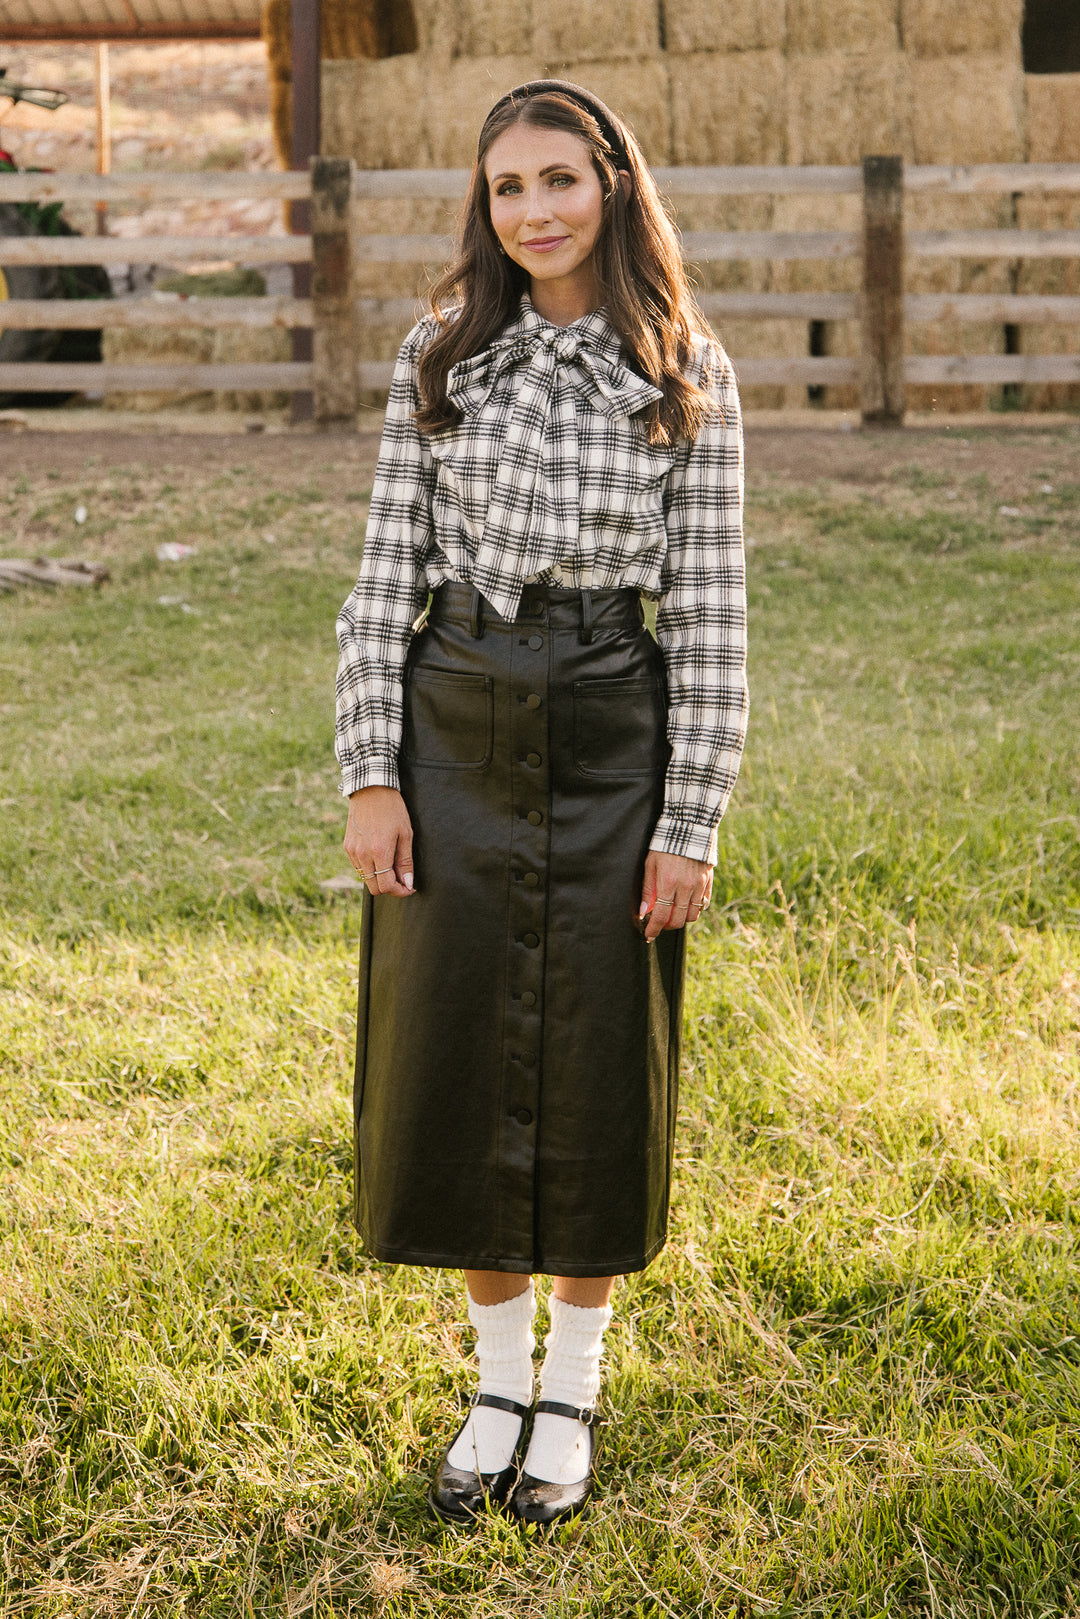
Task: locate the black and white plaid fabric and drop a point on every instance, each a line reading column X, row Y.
column 549, row 478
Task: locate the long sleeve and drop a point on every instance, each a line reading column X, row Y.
column 701, row 623
column 376, row 623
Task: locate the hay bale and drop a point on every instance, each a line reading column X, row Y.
column 967, row 109
column 594, row 30
column 639, row 91
column 772, row 339
column 850, row 25
column 492, row 28
column 370, row 112
column 841, row 106
column 728, row 108
column 154, row 345
column 944, row 28
column 740, row 25
column 235, row 345
column 1050, row 212
column 817, row 213
column 456, row 101
column 1053, row 117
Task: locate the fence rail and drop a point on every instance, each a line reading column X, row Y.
column 335, row 245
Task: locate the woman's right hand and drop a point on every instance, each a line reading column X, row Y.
column 379, row 839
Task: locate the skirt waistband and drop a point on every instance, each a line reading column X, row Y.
column 586, row 611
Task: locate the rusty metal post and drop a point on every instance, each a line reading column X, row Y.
column 306, row 87
column 332, row 294
column 882, row 357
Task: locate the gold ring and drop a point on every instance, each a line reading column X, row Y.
column 363, row 876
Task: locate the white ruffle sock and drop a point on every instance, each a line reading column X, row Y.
column 559, row 1448
column 504, row 1347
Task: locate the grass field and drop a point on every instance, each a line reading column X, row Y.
column 850, row 1385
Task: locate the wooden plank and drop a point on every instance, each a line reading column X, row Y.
column 403, row 312
column 993, row 177
column 703, row 246
column 202, row 186
column 333, row 301
column 1016, row 308
column 780, row 305
column 817, row 370
column 94, row 314
column 446, row 185
column 752, row 179
column 40, row 377
column 154, row 249
column 881, row 369
column 995, row 244
column 405, row 249
column 941, row 368
column 124, row 33
column 378, row 373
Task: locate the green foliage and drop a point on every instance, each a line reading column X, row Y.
column 849, row 1385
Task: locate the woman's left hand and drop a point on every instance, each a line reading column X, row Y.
column 676, row 890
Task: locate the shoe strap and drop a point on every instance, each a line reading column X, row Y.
column 582, row 1413
column 501, row 1403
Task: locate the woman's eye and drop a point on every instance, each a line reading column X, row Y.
column 562, row 180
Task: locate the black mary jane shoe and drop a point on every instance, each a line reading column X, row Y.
column 457, row 1495
column 535, row 1500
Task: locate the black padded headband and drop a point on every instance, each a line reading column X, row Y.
column 573, row 92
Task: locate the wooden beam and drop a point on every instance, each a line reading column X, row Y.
column 305, row 17
column 882, row 359
column 995, row 244
column 1019, row 308
column 944, row 368
column 155, row 250
column 993, row 177
column 204, row 186
column 163, row 311
column 41, row 377
column 333, row 301
column 103, row 120
column 123, row 33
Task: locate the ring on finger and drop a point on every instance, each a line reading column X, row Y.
column 383, row 872
column 670, row 901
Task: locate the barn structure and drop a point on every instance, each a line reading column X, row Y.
column 405, row 84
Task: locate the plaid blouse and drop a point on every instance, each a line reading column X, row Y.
column 549, row 479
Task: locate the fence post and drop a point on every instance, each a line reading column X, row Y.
column 334, row 335
column 882, row 353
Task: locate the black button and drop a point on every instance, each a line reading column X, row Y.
column 534, row 760
column 523, row 1116
column 528, row 999
column 528, row 1059
column 531, row 939
column 536, row 642
column 531, row 880
column 535, row 818
column 537, row 608
column 533, row 701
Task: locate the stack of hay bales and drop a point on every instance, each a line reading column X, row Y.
column 748, row 82
column 1053, row 101
column 224, row 345
column 967, row 106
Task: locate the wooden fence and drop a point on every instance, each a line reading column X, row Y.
column 335, row 246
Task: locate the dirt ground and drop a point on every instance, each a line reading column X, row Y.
column 1009, row 458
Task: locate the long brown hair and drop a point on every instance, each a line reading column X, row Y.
column 639, row 272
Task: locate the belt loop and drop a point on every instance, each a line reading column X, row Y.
column 586, row 616
column 476, row 621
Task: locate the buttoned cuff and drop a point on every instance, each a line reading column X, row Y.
column 377, row 770
column 674, row 835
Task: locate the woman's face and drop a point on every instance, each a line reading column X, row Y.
column 546, row 202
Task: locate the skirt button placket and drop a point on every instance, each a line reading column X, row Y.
column 527, row 942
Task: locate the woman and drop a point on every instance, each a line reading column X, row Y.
column 561, row 441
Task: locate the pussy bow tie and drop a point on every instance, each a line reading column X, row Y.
column 534, row 515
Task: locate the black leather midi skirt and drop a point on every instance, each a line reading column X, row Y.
column 518, row 1041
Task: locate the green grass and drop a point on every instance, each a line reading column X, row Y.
column 848, row 1387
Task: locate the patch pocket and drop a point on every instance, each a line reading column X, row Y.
column 448, row 719
column 620, row 727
